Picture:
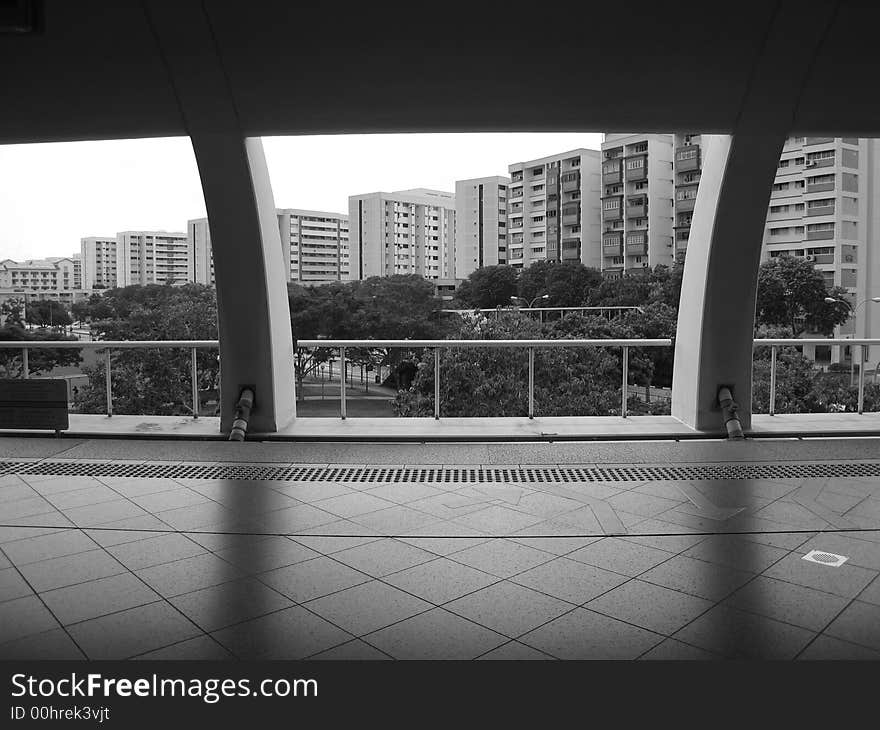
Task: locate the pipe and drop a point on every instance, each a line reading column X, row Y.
column 729, row 408
column 242, row 414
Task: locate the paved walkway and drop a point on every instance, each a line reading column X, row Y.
column 377, row 564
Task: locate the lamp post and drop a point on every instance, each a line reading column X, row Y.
column 531, row 303
column 863, row 348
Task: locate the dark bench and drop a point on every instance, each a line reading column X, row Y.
column 35, row 403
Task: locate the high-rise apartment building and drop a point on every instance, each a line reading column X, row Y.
column 151, row 257
column 824, row 207
column 405, row 232
column 480, row 224
column 314, row 245
column 688, row 167
column 637, row 209
column 553, row 209
column 98, row 256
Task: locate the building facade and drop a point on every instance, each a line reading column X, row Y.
column 39, row 275
column 151, row 257
column 314, row 245
column 688, row 168
column 98, row 255
column 480, row 224
column 553, row 209
column 404, row 232
column 637, row 202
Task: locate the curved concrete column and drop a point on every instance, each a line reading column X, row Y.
column 716, row 316
column 717, row 309
column 256, row 344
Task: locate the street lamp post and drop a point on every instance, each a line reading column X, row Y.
column 862, row 348
column 531, row 303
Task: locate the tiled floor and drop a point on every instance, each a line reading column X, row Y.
column 116, row 567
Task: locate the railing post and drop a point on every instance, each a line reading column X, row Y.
column 25, row 365
column 531, row 382
column 437, row 383
column 342, row 382
column 623, row 389
column 861, row 378
column 772, row 380
column 195, row 382
column 108, row 384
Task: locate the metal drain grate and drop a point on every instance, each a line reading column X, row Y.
column 823, row 558
column 439, row 475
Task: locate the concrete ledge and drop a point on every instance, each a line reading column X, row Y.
column 584, row 428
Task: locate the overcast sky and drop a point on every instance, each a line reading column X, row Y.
column 51, row 195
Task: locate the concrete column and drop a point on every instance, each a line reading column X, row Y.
column 256, row 345
column 716, row 313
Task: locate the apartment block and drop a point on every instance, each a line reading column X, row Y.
column 39, row 275
column 480, row 224
column 314, row 245
column 98, row 256
column 553, row 209
column 404, row 232
column 688, row 168
column 637, row 202
column 824, row 207
column 151, row 257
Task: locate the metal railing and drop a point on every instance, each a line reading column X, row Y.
column 107, row 346
column 438, row 345
column 775, row 344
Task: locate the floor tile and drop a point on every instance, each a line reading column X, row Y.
column 100, row 514
column 24, row 616
column 620, row 556
column 697, row 577
column 570, row 580
column 845, row 581
column 71, row 569
column 397, row 520
column 83, row 497
column 861, row 553
column 367, row 607
column 189, row 574
column 170, row 499
column 742, row 635
column 735, row 552
column 351, row 650
column 827, row 648
column 436, row 634
column 502, row 558
column 508, row 608
column 199, row 648
column 12, row 585
column 313, row 579
column 258, row 557
column 514, row 651
column 51, row 645
column 155, row 551
column 787, row 602
column 382, row 557
column 223, row 605
column 650, row 606
column 673, row 650
column 497, row 520
column 859, row 623
column 98, row 597
column 292, row 633
column 440, row 580
column 134, row 631
column 403, row 493
column 584, row 634
column 350, row 505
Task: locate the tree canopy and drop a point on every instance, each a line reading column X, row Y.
column 791, row 292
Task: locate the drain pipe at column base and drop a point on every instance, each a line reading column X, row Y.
column 242, row 415
column 729, row 408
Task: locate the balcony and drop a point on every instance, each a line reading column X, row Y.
column 637, row 207
column 817, row 140
column 636, row 173
column 687, row 158
column 819, row 162
column 683, row 205
column 813, row 210
column 822, row 235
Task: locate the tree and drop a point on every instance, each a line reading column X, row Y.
column 152, row 381
column 48, row 312
column 490, row 286
column 40, row 361
column 568, row 283
column 792, row 293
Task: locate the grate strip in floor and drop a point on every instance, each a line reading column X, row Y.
column 439, row 475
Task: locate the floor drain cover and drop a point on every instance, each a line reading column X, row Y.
column 823, row 558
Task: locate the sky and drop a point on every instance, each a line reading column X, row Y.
column 51, row 195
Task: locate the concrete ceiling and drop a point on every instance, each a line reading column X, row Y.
column 96, row 71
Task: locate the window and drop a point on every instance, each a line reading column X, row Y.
column 636, row 164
